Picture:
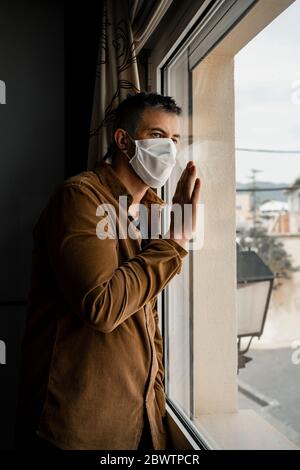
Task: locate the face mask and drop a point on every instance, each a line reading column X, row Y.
column 154, row 160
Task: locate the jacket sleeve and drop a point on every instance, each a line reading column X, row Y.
column 86, row 268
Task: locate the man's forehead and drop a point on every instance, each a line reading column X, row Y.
column 159, row 118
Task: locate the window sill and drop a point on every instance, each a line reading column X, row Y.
column 244, row 430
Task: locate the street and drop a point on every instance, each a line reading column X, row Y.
column 270, row 384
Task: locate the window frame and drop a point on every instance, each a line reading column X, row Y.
column 199, row 41
column 203, row 25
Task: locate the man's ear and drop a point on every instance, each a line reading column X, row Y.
column 121, row 139
column 124, row 143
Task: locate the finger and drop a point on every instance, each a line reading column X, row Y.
column 190, row 182
column 196, row 191
column 180, row 181
column 195, row 200
column 184, row 173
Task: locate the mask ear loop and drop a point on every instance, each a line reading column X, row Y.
column 126, row 151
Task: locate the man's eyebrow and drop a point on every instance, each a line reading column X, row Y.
column 161, row 130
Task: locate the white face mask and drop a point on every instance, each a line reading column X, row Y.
column 154, row 160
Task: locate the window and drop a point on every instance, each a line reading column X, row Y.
column 268, row 165
column 199, row 307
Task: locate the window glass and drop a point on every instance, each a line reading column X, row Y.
column 254, row 94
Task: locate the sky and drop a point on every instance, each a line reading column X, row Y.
column 267, row 100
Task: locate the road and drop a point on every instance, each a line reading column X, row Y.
column 271, row 377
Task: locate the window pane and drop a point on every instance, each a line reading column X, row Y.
column 241, row 119
column 179, row 324
column 268, row 214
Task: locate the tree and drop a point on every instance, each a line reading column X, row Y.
column 270, row 249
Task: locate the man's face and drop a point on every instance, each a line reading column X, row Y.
column 155, row 124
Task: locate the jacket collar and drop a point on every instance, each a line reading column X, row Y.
column 109, row 178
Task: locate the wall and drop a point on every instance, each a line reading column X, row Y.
column 215, row 264
column 32, row 162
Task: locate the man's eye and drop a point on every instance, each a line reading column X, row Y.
column 156, row 134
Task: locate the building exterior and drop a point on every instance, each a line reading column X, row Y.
column 294, row 206
column 244, row 216
column 275, row 216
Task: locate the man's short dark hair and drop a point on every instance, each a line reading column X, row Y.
column 127, row 115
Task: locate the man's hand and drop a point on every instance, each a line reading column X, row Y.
column 187, row 192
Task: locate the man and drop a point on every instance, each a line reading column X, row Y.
column 92, row 371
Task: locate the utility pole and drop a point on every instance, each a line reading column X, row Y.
column 254, row 201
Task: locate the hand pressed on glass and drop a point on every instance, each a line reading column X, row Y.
column 187, row 192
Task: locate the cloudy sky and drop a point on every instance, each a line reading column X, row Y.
column 267, row 77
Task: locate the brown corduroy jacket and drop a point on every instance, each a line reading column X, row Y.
column 92, row 349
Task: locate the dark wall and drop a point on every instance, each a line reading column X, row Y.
column 32, row 162
column 48, row 54
column 82, row 33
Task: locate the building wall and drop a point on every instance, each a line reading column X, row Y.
column 244, row 217
column 294, row 205
column 283, row 320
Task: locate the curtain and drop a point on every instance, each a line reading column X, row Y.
column 125, row 27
